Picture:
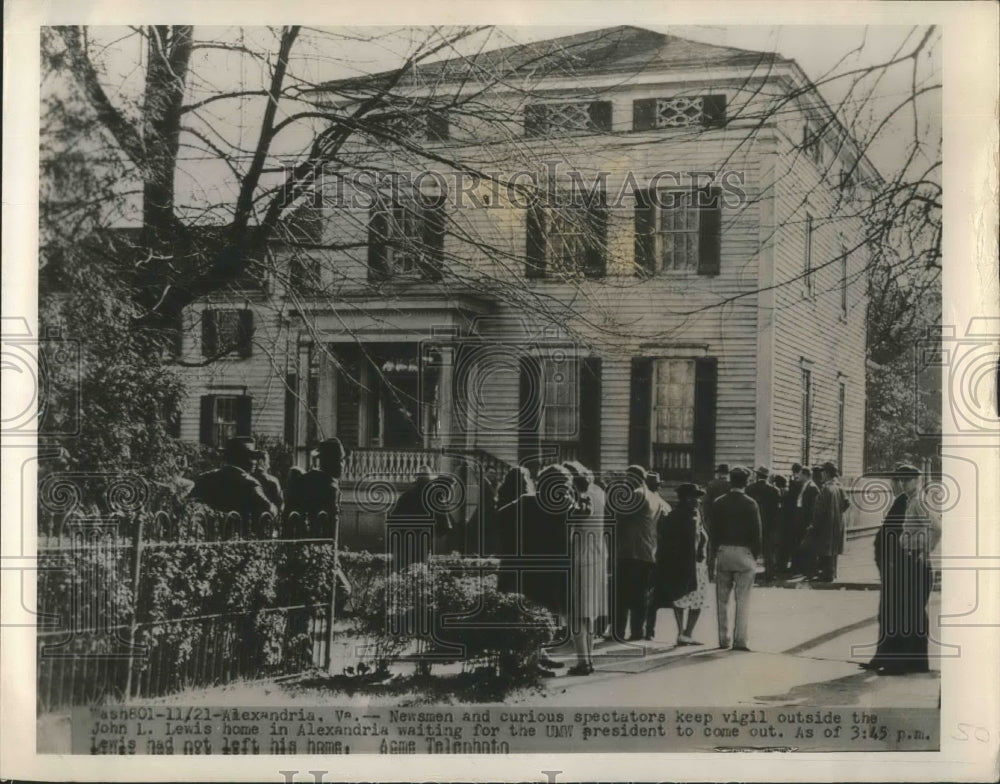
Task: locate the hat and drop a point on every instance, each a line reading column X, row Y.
column 330, row 447
column 689, row 490
column 830, row 468
column 242, row 446
column 739, row 472
column 796, row 468
column 637, row 470
column 722, row 468
column 905, row 471
column 763, row 471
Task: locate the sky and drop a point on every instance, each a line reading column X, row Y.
column 830, row 55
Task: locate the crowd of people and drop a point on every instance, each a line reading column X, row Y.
column 629, row 552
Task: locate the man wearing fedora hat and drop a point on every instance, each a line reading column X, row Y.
column 827, row 535
column 233, row 488
column 315, row 495
column 768, row 500
column 716, row 488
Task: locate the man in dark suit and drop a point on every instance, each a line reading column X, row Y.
column 316, row 494
column 232, row 488
column 737, row 528
column 789, row 538
column 768, row 500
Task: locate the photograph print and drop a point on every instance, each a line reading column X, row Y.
column 487, row 390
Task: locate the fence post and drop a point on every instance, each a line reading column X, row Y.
column 133, row 627
column 332, row 616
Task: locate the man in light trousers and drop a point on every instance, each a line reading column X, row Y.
column 737, row 529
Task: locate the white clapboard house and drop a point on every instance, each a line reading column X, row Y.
column 701, row 299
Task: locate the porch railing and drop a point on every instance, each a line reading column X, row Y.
column 393, row 465
column 402, row 465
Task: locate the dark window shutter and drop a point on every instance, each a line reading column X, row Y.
column 641, row 412
column 600, row 116
column 432, row 254
column 529, row 411
column 706, row 372
column 645, row 232
column 595, row 264
column 709, row 231
column 207, row 419
column 644, row 114
column 714, row 111
column 291, row 409
column 378, row 243
column 534, row 120
column 535, row 250
column 245, row 333
column 177, row 342
column 348, row 400
column 244, row 411
column 172, row 416
column 590, row 413
column 437, row 127
column 209, row 334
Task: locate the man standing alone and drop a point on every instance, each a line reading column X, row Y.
column 737, row 530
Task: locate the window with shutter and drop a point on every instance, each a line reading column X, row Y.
column 224, row 331
column 224, row 417
column 672, row 417
column 406, row 239
column 567, row 117
column 679, row 111
column 568, row 240
column 678, row 230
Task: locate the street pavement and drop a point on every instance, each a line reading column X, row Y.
column 806, row 642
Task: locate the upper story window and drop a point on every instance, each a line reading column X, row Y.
column 679, row 111
column 548, row 119
column 568, row 238
column 678, row 230
column 224, row 331
column 812, row 144
column 432, row 126
column 406, row 238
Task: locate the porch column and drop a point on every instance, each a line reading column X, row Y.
column 302, row 404
column 445, row 398
column 327, row 403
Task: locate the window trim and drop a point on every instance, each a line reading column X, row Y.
column 245, row 331
column 536, row 121
column 805, row 420
column 426, row 244
column 841, row 418
column 539, row 235
column 807, row 275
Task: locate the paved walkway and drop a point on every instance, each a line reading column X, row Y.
column 806, row 645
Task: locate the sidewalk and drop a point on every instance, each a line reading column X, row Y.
column 806, row 645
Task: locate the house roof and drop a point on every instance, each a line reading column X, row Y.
column 609, row 50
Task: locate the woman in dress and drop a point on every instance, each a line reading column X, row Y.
column 588, row 565
column 681, row 565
